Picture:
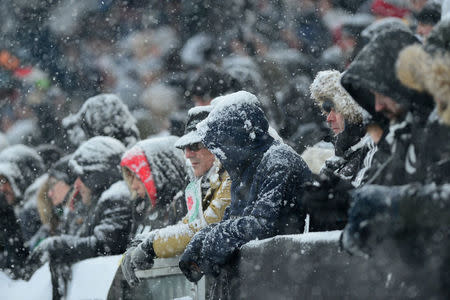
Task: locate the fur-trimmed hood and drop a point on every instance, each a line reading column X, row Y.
column 327, row 86
column 426, row 68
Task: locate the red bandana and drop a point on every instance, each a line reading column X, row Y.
column 136, row 161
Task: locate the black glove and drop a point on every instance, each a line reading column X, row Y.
column 327, row 201
column 190, row 269
column 372, row 218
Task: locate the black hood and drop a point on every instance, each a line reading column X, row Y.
column 374, row 70
column 97, row 163
column 236, row 131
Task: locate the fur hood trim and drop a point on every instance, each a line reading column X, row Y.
column 327, row 86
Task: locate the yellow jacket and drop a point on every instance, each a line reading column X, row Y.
column 172, row 240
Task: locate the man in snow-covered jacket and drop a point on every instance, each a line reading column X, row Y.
column 207, row 197
column 266, row 183
column 107, row 224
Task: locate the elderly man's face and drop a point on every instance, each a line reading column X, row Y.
column 201, row 158
column 336, row 121
column 7, row 190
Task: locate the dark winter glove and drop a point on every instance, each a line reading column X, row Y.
column 327, row 201
column 190, row 259
column 190, row 268
column 372, row 218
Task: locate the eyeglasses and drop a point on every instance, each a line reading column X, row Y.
column 194, row 147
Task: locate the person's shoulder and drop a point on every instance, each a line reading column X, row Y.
column 117, row 192
column 281, row 155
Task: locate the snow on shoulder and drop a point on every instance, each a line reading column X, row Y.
column 118, row 190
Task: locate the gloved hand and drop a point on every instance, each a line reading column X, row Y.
column 190, row 268
column 327, row 201
column 137, row 258
column 372, row 218
column 128, row 268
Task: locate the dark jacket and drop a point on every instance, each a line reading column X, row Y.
column 434, row 152
column 266, row 180
column 12, row 250
column 374, row 70
column 107, row 224
column 105, row 230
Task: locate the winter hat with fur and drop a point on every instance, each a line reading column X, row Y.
column 427, row 67
column 327, row 86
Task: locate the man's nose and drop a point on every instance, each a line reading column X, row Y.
column 379, row 106
column 331, row 117
column 77, row 183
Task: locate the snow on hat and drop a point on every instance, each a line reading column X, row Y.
column 21, row 165
column 97, row 162
column 327, row 86
column 61, row 170
column 427, row 67
column 195, row 116
column 104, row 115
column 159, row 165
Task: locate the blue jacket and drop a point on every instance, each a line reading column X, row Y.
column 266, row 175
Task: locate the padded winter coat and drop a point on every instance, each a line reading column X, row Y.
column 266, row 180
column 172, row 240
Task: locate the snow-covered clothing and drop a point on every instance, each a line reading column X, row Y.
column 172, row 240
column 102, row 115
column 21, row 165
column 13, row 253
column 106, row 228
column 162, row 169
column 266, row 181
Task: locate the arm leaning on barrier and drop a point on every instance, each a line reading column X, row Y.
column 173, row 240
